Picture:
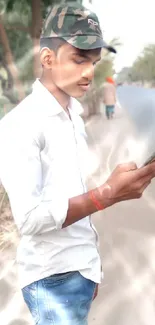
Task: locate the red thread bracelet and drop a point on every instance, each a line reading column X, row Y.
column 97, row 204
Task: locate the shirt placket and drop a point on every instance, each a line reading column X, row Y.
column 82, row 182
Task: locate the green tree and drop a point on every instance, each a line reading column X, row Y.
column 105, row 67
column 33, row 12
column 20, row 28
column 24, row 19
column 103, row 70
column 143, row 69
column 8, row 61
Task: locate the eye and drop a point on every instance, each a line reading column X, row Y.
column 96, row 62
column 79, row 61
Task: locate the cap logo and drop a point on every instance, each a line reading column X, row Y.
column 92, row 22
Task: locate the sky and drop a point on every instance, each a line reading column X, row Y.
column 132, row 21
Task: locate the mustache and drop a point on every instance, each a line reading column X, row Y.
column 74, row 81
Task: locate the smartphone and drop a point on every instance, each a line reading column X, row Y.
column 149, row 160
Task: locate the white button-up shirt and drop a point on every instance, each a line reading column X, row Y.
column 42, row 166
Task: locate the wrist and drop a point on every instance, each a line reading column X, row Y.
column 95, row 198
column 104, row 195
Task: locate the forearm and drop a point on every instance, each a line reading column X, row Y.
column 60, row 213
column 83, row 205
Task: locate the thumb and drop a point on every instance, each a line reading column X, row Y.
column 126, row 167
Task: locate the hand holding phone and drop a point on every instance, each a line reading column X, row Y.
column 127, row 182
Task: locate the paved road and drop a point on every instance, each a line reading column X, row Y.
column 127, row 294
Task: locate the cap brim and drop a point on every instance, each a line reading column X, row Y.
column 81, row 43
column 111, row 49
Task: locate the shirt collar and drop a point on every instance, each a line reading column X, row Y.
column 50, row 105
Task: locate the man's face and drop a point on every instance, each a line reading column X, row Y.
column 73, row 69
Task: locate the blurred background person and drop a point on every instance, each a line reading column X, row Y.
column 109, row 97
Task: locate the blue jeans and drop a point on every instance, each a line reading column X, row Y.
column 109, row 111
column 62, row 299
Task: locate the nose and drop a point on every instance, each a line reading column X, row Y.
column 88, row 73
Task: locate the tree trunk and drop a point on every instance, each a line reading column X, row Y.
column 8, row 57
column 36, row 6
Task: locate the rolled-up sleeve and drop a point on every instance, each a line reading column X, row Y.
column 36, row 207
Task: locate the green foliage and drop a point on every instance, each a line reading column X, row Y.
column 105, row 67
column 143, row 68
column 21, row 47
column 123, row 75
column 12, row 4
column 17, row 20
column 103, row 70
column 5, row 105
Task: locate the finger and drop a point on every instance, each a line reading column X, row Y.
column 145, row 171
column 139, row 191
column 138, row 185
column 147, row 179
column 148, row 168
column 145, row 186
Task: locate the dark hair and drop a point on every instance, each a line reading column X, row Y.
column 53, row 43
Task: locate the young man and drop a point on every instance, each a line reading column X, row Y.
column 41, row 166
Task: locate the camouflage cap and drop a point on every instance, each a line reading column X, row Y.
column 75, row 24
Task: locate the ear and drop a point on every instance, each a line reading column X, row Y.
column 47, row 57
